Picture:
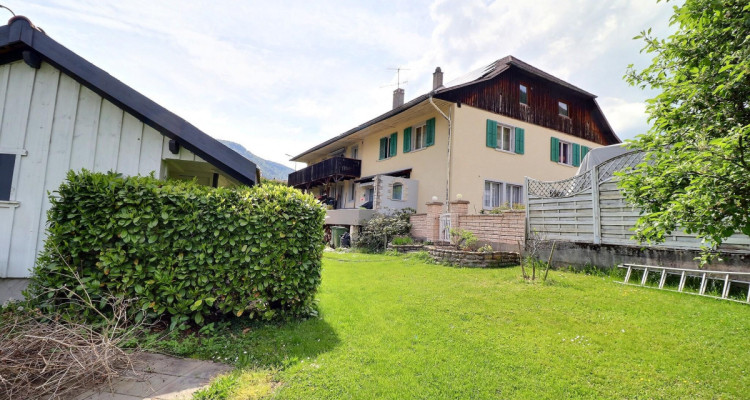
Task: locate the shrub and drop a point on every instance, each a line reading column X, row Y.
column 464, row 240
column 382, row 227
column 402, row 240
column 184, row 251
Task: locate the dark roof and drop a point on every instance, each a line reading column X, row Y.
column 498, row 67
column 479, row 75
column 20, row 39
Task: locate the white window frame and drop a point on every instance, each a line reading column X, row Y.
column 421, row 142
column 565, row 149
column 355, row 152
column 12, row 202
column 501, row 139
column 561, row 105
column 499, row 191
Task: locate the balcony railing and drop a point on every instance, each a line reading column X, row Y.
column 330, row 170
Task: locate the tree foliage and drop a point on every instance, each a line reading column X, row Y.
column 695, row 173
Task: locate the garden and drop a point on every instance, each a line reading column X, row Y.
column 399, row 326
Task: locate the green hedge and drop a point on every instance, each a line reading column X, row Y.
column 185, row 251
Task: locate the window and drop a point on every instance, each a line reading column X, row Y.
column 523, row 94
column 513, row 195
column 562, row 109
column 353, row 191
column 355, row 152
column 505, row 140
column 388, row 146
column 419, row 137
column 397, row 192
column 497, row 194
column 565, row 153
column 505, row 137
column 7, row 167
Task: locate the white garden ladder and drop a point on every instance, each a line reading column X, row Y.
column 729, row 278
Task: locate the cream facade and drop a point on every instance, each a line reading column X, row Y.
column 491, row 131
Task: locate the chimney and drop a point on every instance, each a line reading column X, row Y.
column 437, row 78
column 398, row 98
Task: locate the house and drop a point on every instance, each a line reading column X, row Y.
column 475, row 138
column 59, row 112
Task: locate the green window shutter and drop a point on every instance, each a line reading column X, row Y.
column 407, row 140
column 383, row 147
column 430, row 140
column 554, row 149
column 519, row 140
column 491, row 140
column 584, row 151
column 394, row 143
column 576, row 154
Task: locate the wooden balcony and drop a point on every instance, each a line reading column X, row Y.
column 331, row 170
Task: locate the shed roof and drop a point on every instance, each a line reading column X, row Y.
column 20, row 39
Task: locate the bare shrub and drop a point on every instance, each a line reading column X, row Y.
column 53, row 356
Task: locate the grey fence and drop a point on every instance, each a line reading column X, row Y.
column 590, row 208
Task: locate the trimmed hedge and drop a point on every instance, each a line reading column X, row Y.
column 183, row 250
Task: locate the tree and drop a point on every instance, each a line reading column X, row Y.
column 696, row 172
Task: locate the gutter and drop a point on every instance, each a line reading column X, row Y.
column 448, row 169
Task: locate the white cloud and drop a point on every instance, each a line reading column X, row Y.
column 282, row 77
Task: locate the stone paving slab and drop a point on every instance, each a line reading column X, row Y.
column 159, row 377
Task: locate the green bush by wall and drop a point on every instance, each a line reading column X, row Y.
column 184, row 251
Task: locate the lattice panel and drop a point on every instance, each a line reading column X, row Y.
column 608, row 168
column 564, row 188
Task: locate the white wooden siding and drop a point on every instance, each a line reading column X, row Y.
column 61, row 125
column 575, row 219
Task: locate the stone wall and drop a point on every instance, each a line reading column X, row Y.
column 473, row 258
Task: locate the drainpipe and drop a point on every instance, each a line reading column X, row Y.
column 450, row 137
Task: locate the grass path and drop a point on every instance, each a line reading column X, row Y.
column 393, row 327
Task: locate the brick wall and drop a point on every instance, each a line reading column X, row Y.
column 420, row 228
column 504, row 230
column 501, row 231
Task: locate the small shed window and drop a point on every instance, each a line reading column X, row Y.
column 398, row 191
column 523, row 94
column 7, row 166
column 562, row 109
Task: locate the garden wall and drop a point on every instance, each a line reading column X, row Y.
column 502, row 231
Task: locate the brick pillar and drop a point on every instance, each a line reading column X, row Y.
column 458, row 209
column 434, row 209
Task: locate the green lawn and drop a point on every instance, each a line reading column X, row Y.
column 393, row 327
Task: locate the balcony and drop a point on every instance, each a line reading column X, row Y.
column 331, row 170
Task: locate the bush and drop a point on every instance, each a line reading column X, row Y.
column 464, row 240
column 402, row 240
column 183, row 250
column 377, row 231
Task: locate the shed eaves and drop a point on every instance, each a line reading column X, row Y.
column 20, row 39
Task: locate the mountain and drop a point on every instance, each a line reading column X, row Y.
column 268, row 169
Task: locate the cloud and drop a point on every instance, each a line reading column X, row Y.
column 281, row 77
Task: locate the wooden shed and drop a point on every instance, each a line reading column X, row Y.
column 58, row 112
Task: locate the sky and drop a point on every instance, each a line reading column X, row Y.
column 280, row 77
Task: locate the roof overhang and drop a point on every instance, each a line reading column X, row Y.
column 390, row 120
column 21, row 40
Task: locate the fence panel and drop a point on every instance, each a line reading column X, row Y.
column 590, row 208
